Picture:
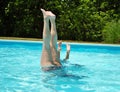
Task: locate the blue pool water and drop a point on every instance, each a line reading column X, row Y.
column 91, row 68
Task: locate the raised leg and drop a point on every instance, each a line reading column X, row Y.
column 67, row 52
column 59, row 49
column 46, row 58
column 53, row 42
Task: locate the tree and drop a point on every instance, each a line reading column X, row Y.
column 3, row 19
column 76, row 19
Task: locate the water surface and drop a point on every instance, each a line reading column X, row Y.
column 91, row 68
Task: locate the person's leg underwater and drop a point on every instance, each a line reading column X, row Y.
column 46, row 58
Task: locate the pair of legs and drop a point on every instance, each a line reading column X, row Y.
column 50, row 54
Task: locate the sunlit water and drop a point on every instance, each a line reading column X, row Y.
column 91, row 68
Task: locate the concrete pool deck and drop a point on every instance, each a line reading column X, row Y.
column 38, row 39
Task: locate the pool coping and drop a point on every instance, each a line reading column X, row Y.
column 64, row 42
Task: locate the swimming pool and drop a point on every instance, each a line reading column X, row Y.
column 94, row 68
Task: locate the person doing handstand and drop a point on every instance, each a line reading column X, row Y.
column 50, row 58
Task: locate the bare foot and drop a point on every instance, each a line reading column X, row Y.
column 47, row 14
column 52, row 17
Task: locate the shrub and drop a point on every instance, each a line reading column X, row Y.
column 111, row 32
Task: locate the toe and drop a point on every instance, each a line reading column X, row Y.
column 42, row 10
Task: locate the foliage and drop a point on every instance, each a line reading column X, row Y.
column 111, row 32
column 76, row 19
